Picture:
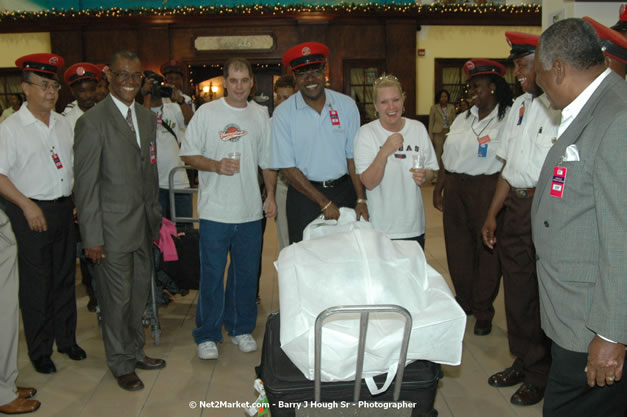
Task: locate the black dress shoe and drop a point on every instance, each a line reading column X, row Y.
column 483, row 327
column 44, row 366
column 130, row 382
column 74, row 352
column 150, row 363
column 506, row 378
column 527, row 394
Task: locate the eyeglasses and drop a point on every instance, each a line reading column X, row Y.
column 316, row 73
column 45, row 85
column 124, row 76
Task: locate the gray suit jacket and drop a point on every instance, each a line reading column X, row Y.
column 116, row 185
column 581, row 238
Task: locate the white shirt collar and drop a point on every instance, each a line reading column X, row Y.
column 123, row 107
column 570, row 112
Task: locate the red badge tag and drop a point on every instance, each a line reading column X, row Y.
column 335, row 119
column 484, row 139
column 153, row 153
column 559, row 181
column 57, row 161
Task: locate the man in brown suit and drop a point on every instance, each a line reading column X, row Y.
column 117, row 201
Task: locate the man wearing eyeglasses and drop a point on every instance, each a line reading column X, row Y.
column 36, row 177
column 117, row 202
column 312, row 144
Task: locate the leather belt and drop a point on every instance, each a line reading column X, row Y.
column 331, row 183
column 53, row 201
column 523, row 192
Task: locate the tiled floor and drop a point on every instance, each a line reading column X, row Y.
column 87, row 388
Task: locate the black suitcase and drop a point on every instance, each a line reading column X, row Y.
column 186, row 271
column 284, row 383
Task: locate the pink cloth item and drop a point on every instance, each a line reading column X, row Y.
column 166, row 243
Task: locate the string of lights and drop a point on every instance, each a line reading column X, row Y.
column 277, row 9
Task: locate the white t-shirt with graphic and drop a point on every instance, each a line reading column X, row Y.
column 168, row 146
column 395, row 205
column 216, row 130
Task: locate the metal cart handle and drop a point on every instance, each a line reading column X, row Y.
column 364, row 311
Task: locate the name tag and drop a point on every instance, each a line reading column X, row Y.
column 153, row 153
column 335, row 118
column 559, row 182
column 521, row 113
column 57, row 160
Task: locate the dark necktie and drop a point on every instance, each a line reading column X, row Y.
column 129, row 120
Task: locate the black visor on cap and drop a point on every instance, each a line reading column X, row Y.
column 520, row 51
column 304, row 60
column 38, row 66
column 305, row 68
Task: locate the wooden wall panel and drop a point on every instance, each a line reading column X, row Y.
column 154, row 47
column 401, row 58
column 100, row 43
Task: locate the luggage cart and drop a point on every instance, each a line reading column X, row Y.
column 151, row 314
column 286, row 386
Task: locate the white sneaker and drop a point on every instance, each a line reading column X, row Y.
column 208, row 350
column 246, row 343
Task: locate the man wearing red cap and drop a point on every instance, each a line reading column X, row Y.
column 83, row 79
column 36, row 177
column 531, row 129
column 614, row 46
column 621, row 25
column 312, row 144
column 579, row 219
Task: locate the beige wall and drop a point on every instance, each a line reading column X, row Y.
column 457, row 42
column 15, row 45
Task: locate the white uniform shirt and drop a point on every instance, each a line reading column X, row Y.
column 216, row 130
column 461, row 148
column 72, row 114
column 530, row 131
column 395, row 205
column 168, row 146
column 27, row 147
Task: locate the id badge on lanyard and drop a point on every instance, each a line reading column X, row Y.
column 56, row 159
column 483, row 146
column 335, row 118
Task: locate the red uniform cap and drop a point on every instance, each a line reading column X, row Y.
column 621, row 25
column 613, row 43
column 41, row 63
column 172, row 66
column 522, row 44
column 304, row 54
column 82, row 71
column 475, row 67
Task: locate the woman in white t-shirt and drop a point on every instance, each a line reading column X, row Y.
column 394, row 157
column 466, row 186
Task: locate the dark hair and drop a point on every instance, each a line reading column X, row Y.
column 439, row 94
column 19, row 98
column 123, row 54
column 284, row 81
column 239, row 64
column 573, row 41
column 503, row 94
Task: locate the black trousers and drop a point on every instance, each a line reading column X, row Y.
column 47, row 272
column 301, row 210
column 568, row 394
column 475, row 270
column 526, row 339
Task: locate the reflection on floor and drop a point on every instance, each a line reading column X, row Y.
column 87, row 388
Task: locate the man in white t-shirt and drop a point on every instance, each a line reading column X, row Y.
column 227, row 140
column 170, row 133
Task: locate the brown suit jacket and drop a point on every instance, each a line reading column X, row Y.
column 116, row 184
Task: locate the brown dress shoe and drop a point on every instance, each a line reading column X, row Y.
column 130, row 382
column 26, row 392
column 150, row 363
column 20, row 406
column 527, row 394
column 506, row 378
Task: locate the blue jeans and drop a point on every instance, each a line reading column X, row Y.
column 183, row 204
column 236, row 307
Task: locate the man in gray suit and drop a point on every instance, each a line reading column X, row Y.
column 579, row 222
column 117, row 201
